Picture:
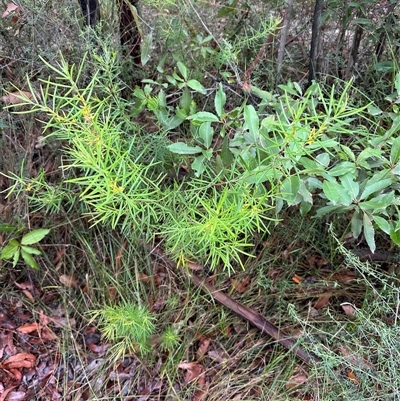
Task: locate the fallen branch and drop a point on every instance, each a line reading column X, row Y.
column 253, row 317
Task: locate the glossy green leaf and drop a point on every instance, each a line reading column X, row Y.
column 204, row 116
column 186, row 100
column 395, row 151
column 206, row 133
column 34, row 236
column 336, row 193
column 289, row 189
column 323, row 159
column 31, row 250
column 7, row 228
column 369, row 232
column 226, row 155
column 9, row 250
column 352, row 187
column 16, row 256
column 183, row 70
column 382, row 223
column 182, row 149
column 198, row 165
column 375, row 187
column 145, row 48
column 220, row 100
column 29, row 260
column 395, row 237
column 356, row 224
column 197, row 86
column 342, row 169
column 252, row 122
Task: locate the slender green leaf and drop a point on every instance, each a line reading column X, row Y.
column 395, row 237
column 145, row 48
column 183, row 70
column 30, row 250
column 182, row 149
column 220, row 100
column 342, row 169
column 252, row 122
column 29, row 260
column 395, row 151
column 7, row 228
column 34, row 236
column 369, row 232
column 375, row 187
column 356, row 224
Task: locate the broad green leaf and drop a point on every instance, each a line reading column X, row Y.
column 198, row 165
column 395, row 151
column 197, row 86
column 328, row 209
column 30, row 250
column 305, row 207
column 29, row 260
column 382, row 224
column 9, row 250
column 204, row 116
column 374, row 111
column 323, row 159
column 373, row 205
column 220, row 100
column 145, row 48
column 352, row 187
column 186, row 100
column 183, row 70
column 305, row 193
column 16, row 257
column 252, row 122
column 226, row 154
column 356, row 224
column 369, row 232
column 206, row 132
column 261, row 174
column 34, row 236
column 182, row 149
column 342, row 169
column 289, row 189
column 348, row 152
column 336, row 193
column 375, row 187
column 395, row 237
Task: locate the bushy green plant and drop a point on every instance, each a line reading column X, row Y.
column 127, row 326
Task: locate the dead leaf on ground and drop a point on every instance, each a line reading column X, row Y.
column 344, row 277
column 241, row 285
column 322, row 301
column 69, row 281
column 29, row 328
column 17, row 97
column 297, row 279
column 18, row 361
column 353, row 377
column 10, row 8
column 296, row 380
column 204, row 343
column 194, row 266
column 349, row 309
column 193, row 372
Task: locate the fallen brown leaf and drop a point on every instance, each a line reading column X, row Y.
column 193, row 371
column 296, row 380
column 10, row 8
column 204, row 343
column 241, row 286
column 18, row 361
column 322, row 302
column 69, row 281
column 16, row 97
column 29, row 328
column 349, row 309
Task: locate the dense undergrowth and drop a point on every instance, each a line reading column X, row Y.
column 257, row 188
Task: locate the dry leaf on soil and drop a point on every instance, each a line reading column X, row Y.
column 193, row 371
column 349, row 309
column 10, row 8
column 16, row 97
column 21, row 360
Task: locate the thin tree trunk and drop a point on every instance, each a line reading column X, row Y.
column 315, row 38
column 282, row 44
